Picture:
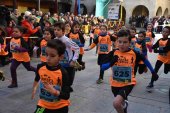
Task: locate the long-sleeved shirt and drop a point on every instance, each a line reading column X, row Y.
column 70, row 47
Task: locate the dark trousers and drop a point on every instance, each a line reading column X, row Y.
column 101, row 73
column 15, row 64
column 3, row 60
column 71, row 73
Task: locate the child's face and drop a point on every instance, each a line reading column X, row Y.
column 76, row 28
column 52, row 56
column 16, row 33
column 165, row 33
column 67, row 26
column 140, row 37
column 103, row 29
column 123, row 44
column 58, row 32
column 132, row 33
column 149, row 27
column 47, row 35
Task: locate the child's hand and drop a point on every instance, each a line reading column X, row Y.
column 51, row 89
column 86, row 49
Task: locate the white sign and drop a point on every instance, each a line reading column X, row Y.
column 113, row 11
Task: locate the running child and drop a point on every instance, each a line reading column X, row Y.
column 122, row 62
column 162, row 47
column 104, row 42
column 71, row 54
column 19, row 49
column 52, row 80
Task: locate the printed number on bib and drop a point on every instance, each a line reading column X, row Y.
column 103, row 47
column 43, row 51
column 147, row 39
column 77, row 41
column 122, row 74
column 161, row 48
column 45, row 95
column 12, row 46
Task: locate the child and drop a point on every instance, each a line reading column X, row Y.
column 162, row 46
column 104, row 43
column 76, row 36
column 132, row 36
column 19, row 49
column 54, row 87
column 48, row 35
column 71, row 53
column 140, row 46
column 122, row 62
column 149, row 37
column 67, row 28
column 3, row 53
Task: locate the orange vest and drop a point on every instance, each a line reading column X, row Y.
column 75, row 38
column 43, row 45
column 148, row 38
column 2, row 49
column 19, row 56
column 104, row 44
column 164, row 57
column 54, row 78
column 123, row 70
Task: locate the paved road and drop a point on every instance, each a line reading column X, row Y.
column 88, row 97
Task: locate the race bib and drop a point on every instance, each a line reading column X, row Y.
column 43, row 49
column 12, row 47
column 103, row 47
column 137, row 49
column 65, row 61
column 122, row 74
column 45, row 95
column 147, row 39
column 161, row 48
column 77, row 41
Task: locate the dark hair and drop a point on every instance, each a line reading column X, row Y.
column 20, row 28
column 124, row 33
column 142, row 32
column 75, row 23
column 133, row 28
column 103, row 26
column 167, row 27
column 51, row 31
column 3, row 34
column 58, row 45
column 60, row 25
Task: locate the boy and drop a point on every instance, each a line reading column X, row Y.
column 54, row 87
column 122, row 62
column 71, row 54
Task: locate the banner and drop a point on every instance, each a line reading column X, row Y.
column 113, row 11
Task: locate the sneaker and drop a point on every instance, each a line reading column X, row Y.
column 150, row 87
column 125, row 106
column 13, row 86
column 99, row 81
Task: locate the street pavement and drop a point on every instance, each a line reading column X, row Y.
column 88, row 97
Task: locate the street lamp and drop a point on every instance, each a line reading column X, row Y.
column 121, row 10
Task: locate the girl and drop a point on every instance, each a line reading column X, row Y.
column 19, row 49
column 67, row 28
column 104, row 43
column 162, row 46
column 140, row 46
column 149, row 37
column 3, row 53
column 76, row 36
column 48, row 35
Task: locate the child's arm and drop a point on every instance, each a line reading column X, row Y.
column 95, row 42
column 23, row 48
column 34, row 89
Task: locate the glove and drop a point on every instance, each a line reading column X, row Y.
column 154, row 76
column 114, row 60
column 155, row 51
column 87, row 49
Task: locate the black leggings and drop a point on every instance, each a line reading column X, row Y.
column 159, row 64
column 140, row 68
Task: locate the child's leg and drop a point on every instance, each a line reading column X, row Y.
column 142, row 68
column 136, row 68
column 166, row 68
column 14, row 65
column 71, row 72
column 2, row 60
column 121, row 94
column 28, row 66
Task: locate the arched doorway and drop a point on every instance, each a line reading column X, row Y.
column 83, row 9
column 140, row 10
column 166, row 12
column 159, row 12
column 123, row 13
